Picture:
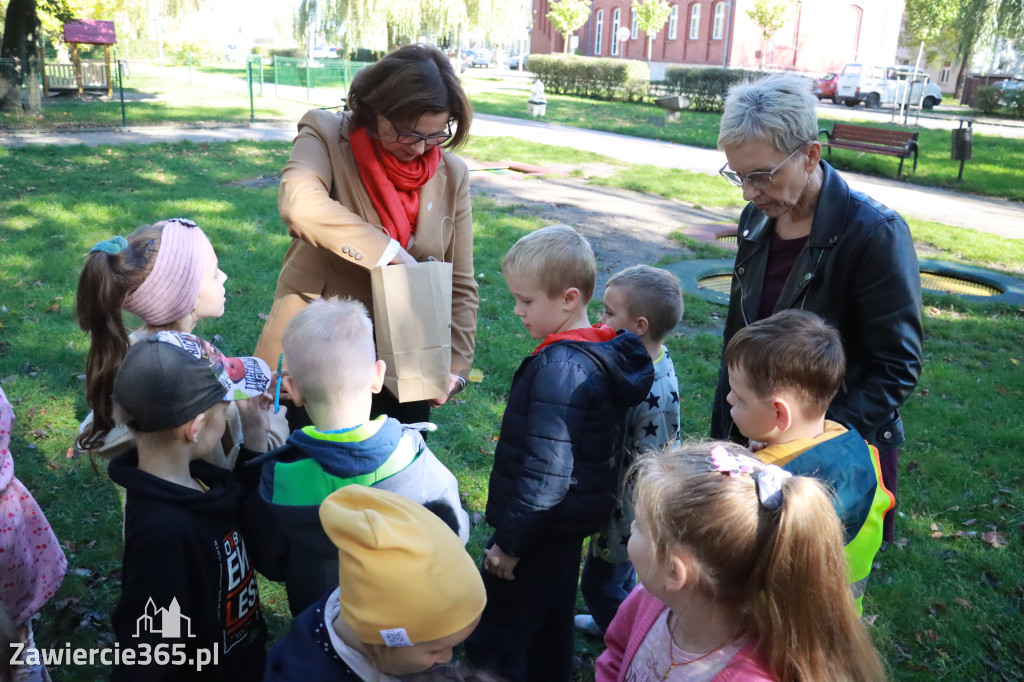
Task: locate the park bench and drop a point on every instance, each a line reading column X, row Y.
column 872, row 140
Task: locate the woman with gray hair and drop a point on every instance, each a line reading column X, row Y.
column 806, row 240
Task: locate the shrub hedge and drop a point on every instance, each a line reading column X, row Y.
column 986, row 99
column 593, row 77
column 705, row 88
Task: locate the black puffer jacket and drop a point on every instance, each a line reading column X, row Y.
column 858, row 271
column 561, row 439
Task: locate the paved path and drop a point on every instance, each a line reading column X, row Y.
column 996, row 216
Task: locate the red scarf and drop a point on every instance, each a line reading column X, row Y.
column 392, row 185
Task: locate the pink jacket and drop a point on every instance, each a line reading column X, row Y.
column 32, row 564
column 630, row 626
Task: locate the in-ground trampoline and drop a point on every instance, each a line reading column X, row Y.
column 711, row 279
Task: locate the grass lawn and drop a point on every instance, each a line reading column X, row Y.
column 947, row 599
column 995, row 169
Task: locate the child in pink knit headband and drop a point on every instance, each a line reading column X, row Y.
column 168, row 276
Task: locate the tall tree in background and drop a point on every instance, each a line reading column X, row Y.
column 567, row 16
column 770, row 16
column 651, row 16
column 386, row 24
column 22, row 41
column 967, row 25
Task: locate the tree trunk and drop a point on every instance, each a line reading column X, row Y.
column 565, row 41
column 650, row 48
column 21, row 41
column 961, row 76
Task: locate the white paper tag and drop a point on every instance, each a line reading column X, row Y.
column 396, row 637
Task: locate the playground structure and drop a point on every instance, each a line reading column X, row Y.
column 79, row 75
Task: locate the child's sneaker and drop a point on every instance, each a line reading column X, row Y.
column 586, row 624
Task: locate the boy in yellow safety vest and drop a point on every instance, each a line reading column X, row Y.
column 784, row 371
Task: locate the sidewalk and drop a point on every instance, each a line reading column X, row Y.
column 996, row 216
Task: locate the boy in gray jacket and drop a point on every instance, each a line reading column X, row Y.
column 333, row 371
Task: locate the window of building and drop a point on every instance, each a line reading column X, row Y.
column 616, row 22
column 946, row 72
column 718, row 28
column 673, row 22
column 633, row 28
column 598, row 31
column 694, row 21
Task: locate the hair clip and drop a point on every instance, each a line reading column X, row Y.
column 723, row 461
column 113, row 246
column 184, row 221
column 769, row 486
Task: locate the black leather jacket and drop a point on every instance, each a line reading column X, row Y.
column 859, row 271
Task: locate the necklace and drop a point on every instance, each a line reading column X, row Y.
column 671, row 659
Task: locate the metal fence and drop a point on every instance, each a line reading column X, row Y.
column 150, row 93
column 314, row 73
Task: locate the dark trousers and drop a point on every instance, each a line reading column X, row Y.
column 605, row 586
column 888, row 461
column 526, row 630
column 383, row 403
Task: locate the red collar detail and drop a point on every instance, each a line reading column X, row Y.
column 595, row 334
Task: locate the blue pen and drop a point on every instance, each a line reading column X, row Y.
column 277, row 390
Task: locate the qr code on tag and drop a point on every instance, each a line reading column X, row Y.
column 396, row 637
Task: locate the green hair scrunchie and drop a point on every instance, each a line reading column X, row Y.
column 113, row 246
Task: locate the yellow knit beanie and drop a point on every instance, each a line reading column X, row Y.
column 405, row 576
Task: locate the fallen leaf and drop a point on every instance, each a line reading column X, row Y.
column 263, row 316
column 937, row 608
column 937, row 534
column 996, row 540
column 70, row 546
column 930, row 634
column 962, row 602
column 869, row 620
column 912, row 467
column 901, row 542
column 476, row 376
column 935, row 526
column 969, row 522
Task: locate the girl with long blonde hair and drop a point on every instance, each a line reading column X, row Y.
column 742, row 577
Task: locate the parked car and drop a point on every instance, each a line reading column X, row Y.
column 878, row 85
column 513, row 62
column 480, row 58
column 825, row 87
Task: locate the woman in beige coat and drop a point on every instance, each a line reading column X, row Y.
column 372, row 187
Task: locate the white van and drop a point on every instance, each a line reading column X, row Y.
column 878, row 85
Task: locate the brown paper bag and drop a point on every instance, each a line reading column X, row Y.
column 412, row 317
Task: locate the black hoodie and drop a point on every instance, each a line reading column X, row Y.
column 558, row 454
column 183, row 553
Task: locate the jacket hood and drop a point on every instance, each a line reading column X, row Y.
column 780, row 454
column 625, row 362
column 353, row 452
column 221, row 498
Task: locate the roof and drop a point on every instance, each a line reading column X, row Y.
column 90, row 32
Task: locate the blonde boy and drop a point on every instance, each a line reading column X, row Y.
column 333, row 371
column 784, row 371
column 555, row 465
column 648, row 302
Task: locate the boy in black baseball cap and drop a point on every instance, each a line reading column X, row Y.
column 186, row 581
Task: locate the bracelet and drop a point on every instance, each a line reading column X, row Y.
column 461, row 387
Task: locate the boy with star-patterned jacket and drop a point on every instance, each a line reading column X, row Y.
column 647, row 301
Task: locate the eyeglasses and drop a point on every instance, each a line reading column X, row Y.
column 403, row 137
column 757, row 179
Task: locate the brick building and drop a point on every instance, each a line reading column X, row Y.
column 821, row 35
